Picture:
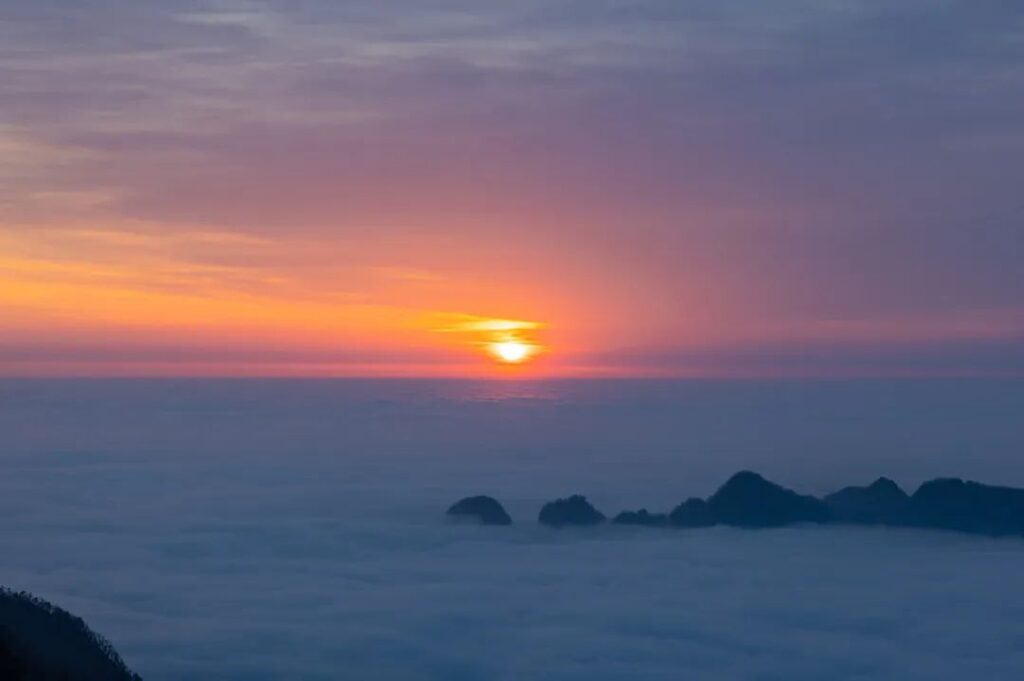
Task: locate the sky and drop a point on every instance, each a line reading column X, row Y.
column 646, row 188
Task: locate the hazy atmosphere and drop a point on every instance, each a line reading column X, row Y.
column 651, row 187
column 480, row 340
column 269, row 530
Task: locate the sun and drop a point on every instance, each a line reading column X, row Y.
column 511, row 351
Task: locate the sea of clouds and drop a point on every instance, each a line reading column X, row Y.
column 294, row 530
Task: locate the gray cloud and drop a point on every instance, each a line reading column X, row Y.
column 186, row 521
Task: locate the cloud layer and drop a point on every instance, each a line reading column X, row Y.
column 267, row 530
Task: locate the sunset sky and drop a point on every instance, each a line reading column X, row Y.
column 385, row 187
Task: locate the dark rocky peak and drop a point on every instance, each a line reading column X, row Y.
column 483, row 509
column 641, row 517
column 575, row 510
column 880, row 503
column 748, row 500
column 886, row 486
column 693, row 512
column 966, row 506
column 41, row 642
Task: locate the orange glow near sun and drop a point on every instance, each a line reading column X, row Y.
column 512, row 351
